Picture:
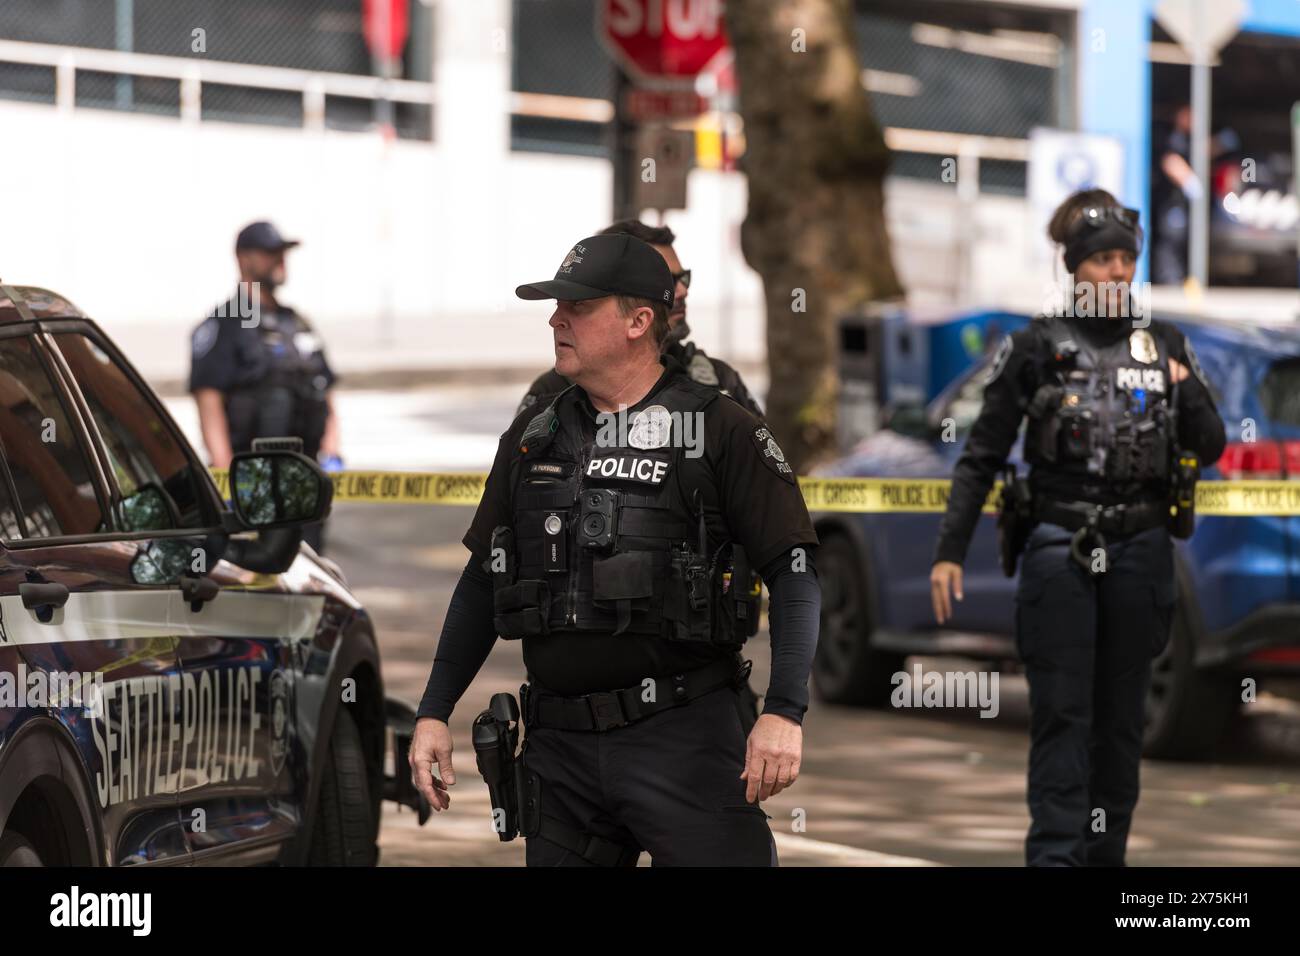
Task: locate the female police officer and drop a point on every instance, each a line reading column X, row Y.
column 1110, row 401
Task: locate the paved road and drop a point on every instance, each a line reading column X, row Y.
column 897, row 788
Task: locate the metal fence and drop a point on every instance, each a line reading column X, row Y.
column 302, row 39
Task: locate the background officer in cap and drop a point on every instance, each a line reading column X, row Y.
column 618, row 553
column 1112, row 403
column 701, row 367
column 258, row 370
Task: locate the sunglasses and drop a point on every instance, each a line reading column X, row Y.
column 1095, row 217
column 684, row 277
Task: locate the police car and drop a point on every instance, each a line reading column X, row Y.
column 1238, row 610
column 180, row 681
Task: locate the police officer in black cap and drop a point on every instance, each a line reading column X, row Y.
column 258, row 370
column 618, row 533
column 699, row 365
column 1117, row 409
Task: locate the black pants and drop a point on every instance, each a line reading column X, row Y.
column 669, row 785
column 1087, row 644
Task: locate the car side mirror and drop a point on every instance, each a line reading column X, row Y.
column 278, row 489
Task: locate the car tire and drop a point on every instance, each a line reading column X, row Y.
column 16, row 851
column 345, row 828
column 1188, row 709
column 846, row 668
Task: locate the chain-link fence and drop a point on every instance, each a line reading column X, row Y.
column 555, row 51
column 314, row 35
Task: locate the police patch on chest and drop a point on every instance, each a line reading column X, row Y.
column 772, row 455
column 646, row 470
column 1146, row 379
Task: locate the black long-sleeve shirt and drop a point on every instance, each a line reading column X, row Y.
column 1015, row 377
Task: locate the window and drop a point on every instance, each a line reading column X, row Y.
column 147, row 459
column 48, row 466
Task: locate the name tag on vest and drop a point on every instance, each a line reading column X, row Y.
column 550, row 469
column 647, row 471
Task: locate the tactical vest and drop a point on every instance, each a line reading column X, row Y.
column 1105, row 411
column 287, row 397
column 607, row 538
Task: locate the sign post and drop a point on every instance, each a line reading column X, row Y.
column 658, row 46
column 1201, row 27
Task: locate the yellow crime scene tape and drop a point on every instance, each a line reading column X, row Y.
column 860, row 495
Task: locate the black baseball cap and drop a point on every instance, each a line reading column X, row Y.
column 264, row 236
column 607, row 265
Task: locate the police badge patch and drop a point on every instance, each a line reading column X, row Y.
column 652, row 427
column 772, row 455
column 1142, row 347
column 573, row 258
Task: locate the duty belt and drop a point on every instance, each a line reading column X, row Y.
column 1118, row 520
column 607, row 710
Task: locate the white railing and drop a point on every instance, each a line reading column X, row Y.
column 193, row 72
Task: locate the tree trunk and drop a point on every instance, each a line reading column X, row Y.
column 815, row 159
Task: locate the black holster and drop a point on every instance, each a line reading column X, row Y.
column 496, row 738
column 1015, row 519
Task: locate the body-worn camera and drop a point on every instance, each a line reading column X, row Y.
column 596, row 527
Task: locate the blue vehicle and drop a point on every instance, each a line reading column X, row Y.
column 1238, row 611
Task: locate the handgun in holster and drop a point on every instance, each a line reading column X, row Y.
column 1015, row 519
column 496, row 737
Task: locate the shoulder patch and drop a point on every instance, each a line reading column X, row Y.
column 999, row 360
column 770, row 453
column 204, row 337
column 702, row 370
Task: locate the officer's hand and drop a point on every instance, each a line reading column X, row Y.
column 1177, row 370
column 945, row 580
column 773, row 755
column 432, row 744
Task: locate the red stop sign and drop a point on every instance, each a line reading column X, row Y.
column 662, row 39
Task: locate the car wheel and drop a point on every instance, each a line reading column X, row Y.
column 16, row 851
column 846, row 669
column 346, row 825
column 1188, row 709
